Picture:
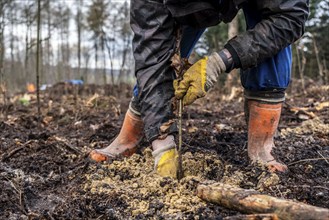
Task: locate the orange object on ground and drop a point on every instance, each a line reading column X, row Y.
column 30, row 87
column 262, row 125
column 125, row 144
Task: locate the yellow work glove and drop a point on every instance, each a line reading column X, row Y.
column 199, row 78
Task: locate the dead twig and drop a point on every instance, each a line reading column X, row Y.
column 253, row 217
column 66, row 144
column 323, row 157
column 14, row 151
column 301, row 110
column 316, row 187
column 310, row 159
column 305, row 186
column 300, row 68
column 20, row 195
column 33, row 215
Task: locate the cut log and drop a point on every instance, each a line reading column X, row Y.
column 251, row 202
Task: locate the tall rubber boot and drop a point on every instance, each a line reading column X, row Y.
column 262, row 125
column 125, row 143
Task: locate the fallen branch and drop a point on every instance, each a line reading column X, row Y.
column 323, row 157
column 66, row 144
column 20, row 196
column 252, row 202
column 14, row 151
column 310, row 159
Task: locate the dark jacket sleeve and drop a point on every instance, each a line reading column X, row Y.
column 282, row 23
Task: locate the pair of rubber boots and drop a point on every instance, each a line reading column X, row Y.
column 262, row 119
column 125, row 144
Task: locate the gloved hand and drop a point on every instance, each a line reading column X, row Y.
column 199, row 78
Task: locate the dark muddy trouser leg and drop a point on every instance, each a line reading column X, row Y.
column 153, row 46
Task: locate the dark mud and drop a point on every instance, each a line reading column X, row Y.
column 45, row 172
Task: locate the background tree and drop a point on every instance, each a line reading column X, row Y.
column 78, row 20
column 97, row 22
column 3, row 10
column 316, row 41
column 86, row 38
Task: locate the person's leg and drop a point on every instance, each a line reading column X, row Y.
column 264, row 87
column 153, row 46
column 164, row 148
column 262, row 125
column 125, row 144
column 131, row 133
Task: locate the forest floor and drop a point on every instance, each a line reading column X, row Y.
column 45, row 172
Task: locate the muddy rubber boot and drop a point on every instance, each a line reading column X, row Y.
column 262, row 125
column 165, row 157
column 125, row 143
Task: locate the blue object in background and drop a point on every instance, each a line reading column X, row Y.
column 75, row 81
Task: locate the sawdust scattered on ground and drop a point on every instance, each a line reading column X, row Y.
column 312, row 126
column 134, row 181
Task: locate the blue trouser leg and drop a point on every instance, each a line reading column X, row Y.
column 269, row 79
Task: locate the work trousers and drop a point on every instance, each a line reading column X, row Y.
column 153, row 46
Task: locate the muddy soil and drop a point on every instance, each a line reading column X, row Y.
column 45, row 172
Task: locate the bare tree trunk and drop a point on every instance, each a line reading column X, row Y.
column 96, row 57
column 232, row 78
column 109, row 50
column 124, row 56
column 318, row 60
column 104, row 69
column 125, row 42
column 68, row 57
column 26, row 58
column 2, row 75
column 86, row 56
column 326, row 72
column 63, row 61
column 111, row 55
column 37, row 63
column 79, row 37
column 2, row 51
column 59, row 64
column 300, row 69
column 251, row 201
column 13, row 74
column 49, row 69
column 103, row 42
column 41, row 76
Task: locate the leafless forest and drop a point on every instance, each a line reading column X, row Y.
column 91, row 40
column 66, row 77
